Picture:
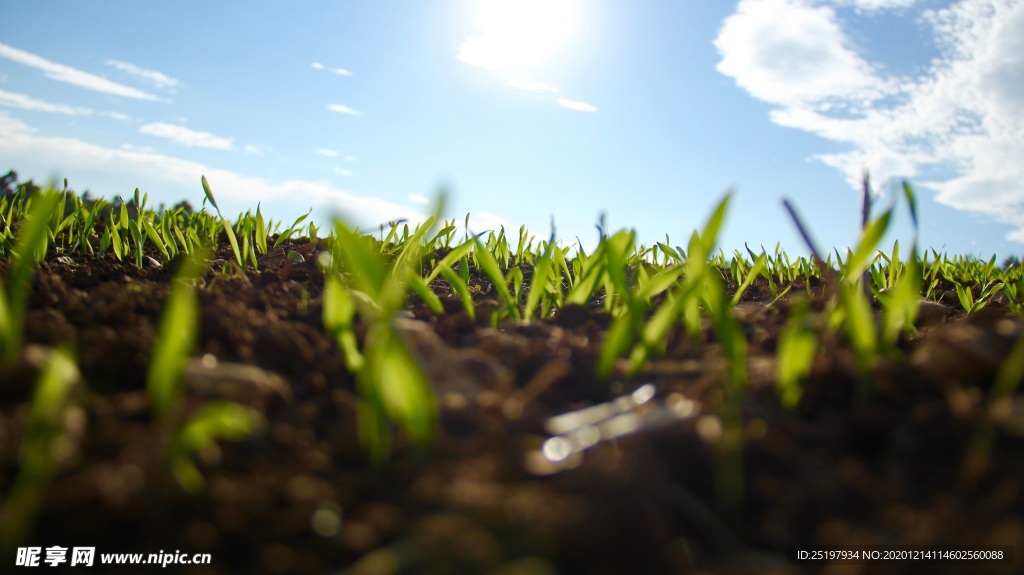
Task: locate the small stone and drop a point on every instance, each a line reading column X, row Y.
column 63, row 260
column 931, row 312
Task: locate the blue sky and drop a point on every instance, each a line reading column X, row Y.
column 643, row 111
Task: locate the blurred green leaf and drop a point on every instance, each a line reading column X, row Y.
column 176, row 337
column 795, row 357
column 215, row 421
column 862, row 256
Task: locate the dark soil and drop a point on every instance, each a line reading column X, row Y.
column 888, row 459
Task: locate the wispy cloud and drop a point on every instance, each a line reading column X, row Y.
column 576, row 105
column 138, row 166
column 872, row 5
column 24, row 102
column 351, row 159
column 790, row 52
column 254, row 150
column 140, row 149
column 338, row 71
column 961, row 117
column 157, row 79
column 481, row 221
column 526, row 83
column 186, row 136
column 419, row 199
column 328, row 153
column 342, row 109
column 69, row 75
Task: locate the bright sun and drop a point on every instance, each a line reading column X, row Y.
column 517, row 35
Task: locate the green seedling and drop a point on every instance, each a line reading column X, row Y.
column 391, row 383
column 515, row 279
column 293, row 229
column 176, row 338
column 490, row 266
column 460, row 286
column 854, row 311
column 902, row 303
column 154, row 236
column 751, row 276
column 215, row 421
column 425, row 293
column 732, row 339
column 339, row 311
column 29, row 248
column 41, row 446
column 1000, row 397
column 260, row 232
column 681, row 303
column 589, row 272
column 648, row 291
column 228, row 230
column 797, row 346
column 864, row 255
column 628, row 323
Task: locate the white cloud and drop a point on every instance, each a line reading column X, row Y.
column 350, row 159
column 138, row 166
column 964, row 116
column 69, row 75
column 254, row 149
column 526, row 83
column 342, row 109
column 790, row 52
column 157, row 79
column 872, row 5
column 186, row 136
column 576, row 105
column 342, row 172
column 481, row 221
column 419, row 199
column 328, row 153
column 24, row 102
column 338, row 71
column 141, row 149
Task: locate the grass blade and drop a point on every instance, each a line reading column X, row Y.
column 176, row 337
column 490, row 266
column 857, row 263
column 228, row 230
column 216, row 420
column 29, row 247
column 44, row 428
column 541, row 276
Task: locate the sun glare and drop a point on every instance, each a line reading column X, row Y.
column 517, row 35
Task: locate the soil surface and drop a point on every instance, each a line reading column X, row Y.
column 894, row 458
